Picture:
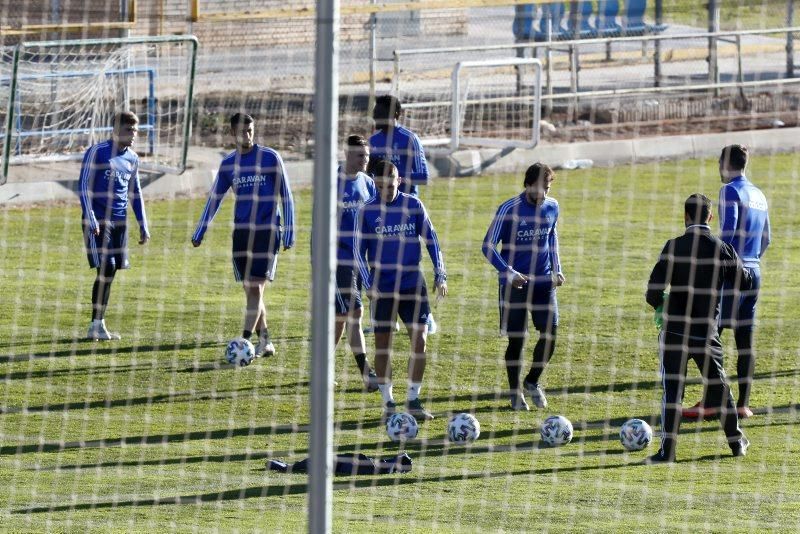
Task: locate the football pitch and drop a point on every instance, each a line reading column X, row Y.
column 155, row 433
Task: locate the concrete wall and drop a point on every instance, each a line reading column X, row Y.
column 166, row 17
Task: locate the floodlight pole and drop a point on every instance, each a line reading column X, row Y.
column 326, row 126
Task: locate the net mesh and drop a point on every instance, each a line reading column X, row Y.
column 66, row 95
column 156, row 431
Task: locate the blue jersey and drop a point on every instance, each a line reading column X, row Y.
column 257, row 178
column 528, row 238
column 744, row 219
column 387, row 243
column 109, row 178
column 353, row 193
column 402, row 147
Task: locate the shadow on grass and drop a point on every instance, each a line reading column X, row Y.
column 281, row 490
column 430, row 447
column 102, row 348
column 178, row 437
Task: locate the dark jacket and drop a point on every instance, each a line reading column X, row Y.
column 692, row 268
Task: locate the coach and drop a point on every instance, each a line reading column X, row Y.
column 694, row 267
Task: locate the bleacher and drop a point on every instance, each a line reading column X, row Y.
column 554, row 22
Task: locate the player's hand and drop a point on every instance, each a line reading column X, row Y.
column 441, row 291
column 559, row 279
column 519, row 281
column 96, row 231
column 196, row 243
column 144, row 237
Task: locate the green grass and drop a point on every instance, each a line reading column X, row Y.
column 153, row 433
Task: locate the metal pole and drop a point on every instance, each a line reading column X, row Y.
column 373, row 59
column 549, row 58
column 573, row 85
column 739, row 68
column 326, row 120
column 789, row 40
column 713, row 26
column 657, row 44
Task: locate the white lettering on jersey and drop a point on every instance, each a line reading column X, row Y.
column 249, row 179
column 396, row 229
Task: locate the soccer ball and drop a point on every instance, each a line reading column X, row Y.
column 240, row 352
column 635, row 434
column 556, row 431
column 463, row 428
column 401, row 427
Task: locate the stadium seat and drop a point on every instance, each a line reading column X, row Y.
column 524, row 14
column 606, row 21
column 585, row 28
column 634, row 19
column 555, row 14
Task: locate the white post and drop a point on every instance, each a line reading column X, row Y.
column 326, row 126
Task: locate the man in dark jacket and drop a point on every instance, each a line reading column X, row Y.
column 694, row 267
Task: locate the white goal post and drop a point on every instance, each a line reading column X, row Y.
column 485, row 115
column 59, row 98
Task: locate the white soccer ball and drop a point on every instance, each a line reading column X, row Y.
column 401, row 427
column 240, row 352
column 463, row 428
column 556, row 431
column 635, row 434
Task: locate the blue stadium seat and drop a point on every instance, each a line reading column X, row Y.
column 606, row 22
column 634, row 19
column 555, row 13
column 585, row 29
column 524, row 14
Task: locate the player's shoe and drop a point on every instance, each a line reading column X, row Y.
column 658, row 458
column 99, row 332
column 389, row 409
column 433, row 326
column 368, row 329
column 537, row 394
column 698, row 411
column 371, row 382
column 265, row 348
column 419, row 412
column 518, row 402
column 739, row 448
column 744, row 412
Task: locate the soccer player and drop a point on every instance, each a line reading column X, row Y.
column 355, row 188
column 403, row 148
column 261, row 187
column 389, row 231
column 744, row 224
column 529, row 273
column 694, row 267
column 109, row 176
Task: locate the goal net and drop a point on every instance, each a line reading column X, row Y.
column 176, row 427
column 59, row 98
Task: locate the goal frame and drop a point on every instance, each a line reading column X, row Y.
column 12, row 126
column 459, row 104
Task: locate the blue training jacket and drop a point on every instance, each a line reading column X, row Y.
column 744, row 219
column 106, row 181
column 402, row 147
column 388, row 240
column 259, row 181
column 528, row 238
column 353, row 193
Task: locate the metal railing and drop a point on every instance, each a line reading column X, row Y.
column 572, row 48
